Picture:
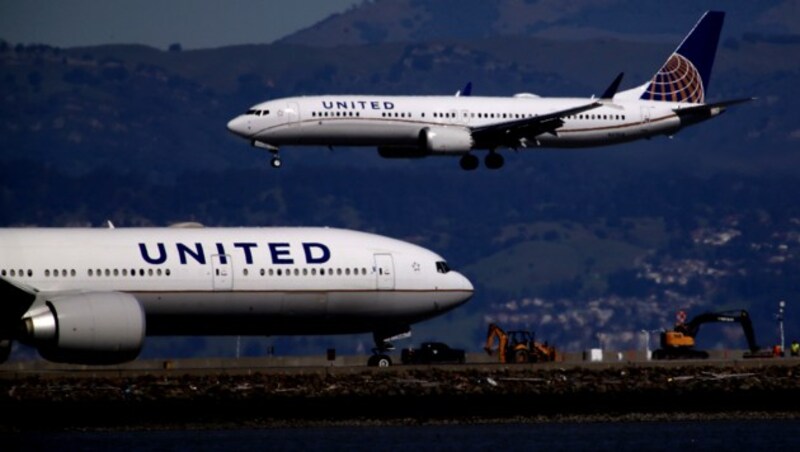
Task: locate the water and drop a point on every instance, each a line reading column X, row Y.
column 783, row 435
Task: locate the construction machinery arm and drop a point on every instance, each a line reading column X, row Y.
column 496, row 333
column 742, row 317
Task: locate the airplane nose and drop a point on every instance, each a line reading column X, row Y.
column 238, row 126
column 463, row 284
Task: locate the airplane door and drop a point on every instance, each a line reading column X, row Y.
column 292, row 111
column 464, row 116
column 222, row 273
column 384, row 271
column 647, row 113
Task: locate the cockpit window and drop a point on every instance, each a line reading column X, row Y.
column 442, row 267
column 257, row 112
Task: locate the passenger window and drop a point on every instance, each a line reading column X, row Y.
column 245, row 272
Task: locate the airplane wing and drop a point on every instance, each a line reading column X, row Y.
column 515, row 133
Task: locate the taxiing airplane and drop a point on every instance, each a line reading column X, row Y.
column 90, row 296
column 419, row 126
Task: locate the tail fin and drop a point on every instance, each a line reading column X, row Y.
column 685, row 75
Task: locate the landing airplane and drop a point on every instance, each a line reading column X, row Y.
column 90, row 296
column 419, row 126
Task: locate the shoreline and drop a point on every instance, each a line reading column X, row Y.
column 398, row 396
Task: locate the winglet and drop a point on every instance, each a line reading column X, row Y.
column 612, row 88
column 466, row 91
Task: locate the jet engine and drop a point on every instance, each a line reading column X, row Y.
column 445, row 140
column 87, row 328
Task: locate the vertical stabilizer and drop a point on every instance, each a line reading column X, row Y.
column 685, row 76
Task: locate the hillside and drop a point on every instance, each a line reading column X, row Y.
column 387, row 21
column 572, row 244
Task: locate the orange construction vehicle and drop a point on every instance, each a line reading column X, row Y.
column 679, row 342
column 517, row 346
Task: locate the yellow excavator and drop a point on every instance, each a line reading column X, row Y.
column 517, row 346
column 679, row 342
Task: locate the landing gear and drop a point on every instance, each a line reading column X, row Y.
column 494, row 160
column 469, row 162
column 276, row 161
column 276, row 158
column 380, row 356
column 379, row 360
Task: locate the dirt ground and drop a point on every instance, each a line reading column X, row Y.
column 416, row 394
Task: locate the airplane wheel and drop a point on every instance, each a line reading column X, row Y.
column 275, row 162
column 379, row 361
column 494, row 160
column 469, row 162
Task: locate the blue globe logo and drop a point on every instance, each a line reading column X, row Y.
column 676, row 81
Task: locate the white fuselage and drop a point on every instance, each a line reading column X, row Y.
column 240, row 281
column 367, row 120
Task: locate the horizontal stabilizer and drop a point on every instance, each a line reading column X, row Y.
column 711, row 109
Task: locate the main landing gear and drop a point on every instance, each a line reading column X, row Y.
column 380, row 354
column 469, row 162
column 493, row 160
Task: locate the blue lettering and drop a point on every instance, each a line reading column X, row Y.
column 325, row 253
column 388, row 105
column 246, row 247
column 277, row 251
column 327, row 105
column 340, row 104
column 363, row 104
column 196, row 254
column 162, row 254
column 375, row 105
column 223, row 258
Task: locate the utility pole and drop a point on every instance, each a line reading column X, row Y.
column 781, row 306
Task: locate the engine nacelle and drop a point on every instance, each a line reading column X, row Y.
column 88, row 328
column 445, row 140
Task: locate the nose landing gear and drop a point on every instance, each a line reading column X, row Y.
column 276, row 161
